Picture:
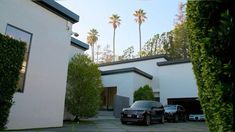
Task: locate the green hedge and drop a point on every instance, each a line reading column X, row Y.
column 211, row 30
column 144, row 93
column 11, row 58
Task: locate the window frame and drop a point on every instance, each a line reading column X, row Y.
column 28, row 53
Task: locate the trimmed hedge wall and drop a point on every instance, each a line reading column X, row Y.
column 211, row 29
column 11, row 58
column 144, row 93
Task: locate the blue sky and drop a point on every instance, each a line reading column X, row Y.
column 96, row 13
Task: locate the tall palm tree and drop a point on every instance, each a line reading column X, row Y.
column 92, row 39
column 140, row 18
column 115, row 21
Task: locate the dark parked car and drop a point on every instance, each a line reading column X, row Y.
column 143, row 111
column 175, row 113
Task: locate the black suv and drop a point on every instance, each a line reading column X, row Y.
column 143, row 111
column 175, row 113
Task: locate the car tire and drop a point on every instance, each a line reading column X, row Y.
column 162, row 120
column 123, row 122
column 147, row 120
column 176, row 118
column 185, row 118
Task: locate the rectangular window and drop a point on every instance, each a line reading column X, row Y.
column 25, row 36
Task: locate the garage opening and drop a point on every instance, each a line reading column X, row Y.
column 191, row 105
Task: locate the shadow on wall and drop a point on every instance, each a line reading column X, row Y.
column 120, row 102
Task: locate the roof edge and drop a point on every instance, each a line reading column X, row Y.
column 126, row 70
column 58, row 9
column 134, row 60
column 79, row 44
column 174, row 62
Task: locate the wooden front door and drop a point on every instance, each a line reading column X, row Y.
column 108, row 98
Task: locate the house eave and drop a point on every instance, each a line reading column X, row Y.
column 58, row 9
column 127, row 70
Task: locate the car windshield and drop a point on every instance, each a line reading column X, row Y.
column 142, row 104
column 172, row 107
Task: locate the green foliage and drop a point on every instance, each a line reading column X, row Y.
column 144, row 93
column 11, row 58
column 180, row 42
column 84, row 87
column 210, row 26
column 127, row 54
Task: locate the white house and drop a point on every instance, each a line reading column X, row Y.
column 45, row 26
column 172, row 82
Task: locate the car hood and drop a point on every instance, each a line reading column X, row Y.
column 170, row 111
column 135, row 109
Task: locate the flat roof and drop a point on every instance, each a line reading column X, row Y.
column 135, row 60
column 58, row 9
column 126, row 70
column 79, row 44
column 174, row 62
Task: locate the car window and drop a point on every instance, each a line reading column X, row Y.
column 170, row 107
column 142, row 104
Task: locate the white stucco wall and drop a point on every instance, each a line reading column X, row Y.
column 74, row 50
column 148, row 66
column 125, row 83
column 177, row 81
column 42, row 102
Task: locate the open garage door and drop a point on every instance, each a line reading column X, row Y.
column 191, row 105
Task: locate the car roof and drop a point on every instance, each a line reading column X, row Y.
column 172, row 105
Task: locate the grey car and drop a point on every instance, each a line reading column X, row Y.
column 175, row 113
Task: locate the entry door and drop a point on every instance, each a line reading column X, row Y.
column 108, row 98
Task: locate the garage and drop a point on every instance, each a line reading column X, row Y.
column 191, row 105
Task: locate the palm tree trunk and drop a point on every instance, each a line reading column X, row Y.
column 140, row 38
column 114, row 44
column 92, row 48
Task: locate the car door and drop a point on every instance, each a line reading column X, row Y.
column 158, row 109
column 181, row 112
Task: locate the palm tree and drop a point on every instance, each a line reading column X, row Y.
column 115, row 21
column 140, row 18
column 92, row 39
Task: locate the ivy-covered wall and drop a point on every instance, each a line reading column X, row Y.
column 11, row 58
column 211, row 29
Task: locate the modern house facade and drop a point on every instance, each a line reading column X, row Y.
column 173, row 82
column 45, row 26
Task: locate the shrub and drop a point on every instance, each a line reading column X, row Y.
column 210, row 25
column 144, row 93
column 11, row 58
column 84, row 87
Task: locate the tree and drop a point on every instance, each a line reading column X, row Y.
column 106, row 55
column 211, row 29
column 92, row 39
column 98, row 53
column 127, row 54
column 84, row 87
column 144, row 93
column 140, row 18
column 180, row 39
column 115, row 21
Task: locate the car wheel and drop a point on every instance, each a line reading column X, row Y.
column 147, row 120
column 176, row 118
column 162, row 119
column 124, row 122
column 185, row 118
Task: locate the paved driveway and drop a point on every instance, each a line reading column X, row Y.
column 114, row 125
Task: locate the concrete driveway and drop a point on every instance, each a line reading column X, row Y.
column 114, row 125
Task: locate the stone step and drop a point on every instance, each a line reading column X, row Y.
column 105, row 113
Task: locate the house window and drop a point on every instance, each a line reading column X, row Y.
column 25, row 36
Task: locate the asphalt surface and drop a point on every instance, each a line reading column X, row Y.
column 110, row 124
